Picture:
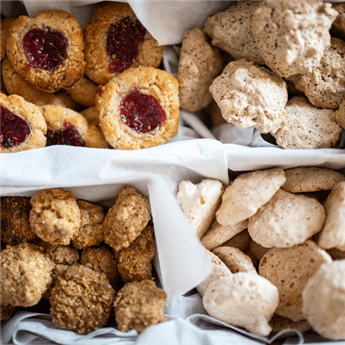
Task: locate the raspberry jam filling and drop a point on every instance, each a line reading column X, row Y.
column 13, row 129
column 123, row 40
column 66, row 136
column 142, row 113
column 45, row 49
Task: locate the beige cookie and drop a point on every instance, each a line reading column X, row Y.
column 215, row 114
column 230, row 31
column 84, row 92
column 292, row 35
column 250, row 96
column 243, row 299
column 257, row 250
column 247, row 194
column 280, row 323
column 340, row 115
column 218, row 234
column 199, row 65
column 240, row 241
column 333, row 234
column 286, row 220
column 6, row 24
column 307, row 127
column 324, row 300
column 234, row 259
column 324, row 86
column 289, row 269
column 311, row 179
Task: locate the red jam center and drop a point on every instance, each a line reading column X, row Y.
column 45, row 49
column 67, row 136
column 13, row 129
column 142, row 113
column 123, row 40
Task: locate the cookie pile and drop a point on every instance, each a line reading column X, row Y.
column 274, row 246
column 85, row 262
column 90, row 87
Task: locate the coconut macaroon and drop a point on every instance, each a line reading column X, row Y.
column 340, row 115
column 286, row 220
column 247, row 194
column 324, row 300
column 231, row 31
column 307, row 127
column 289, row 269
column 25, row 274
column 333, row 234
column 324, row 86
column 199, row 64
column 199, row 203
column 139, row 108
column 55, row 215
column 292, row 35
column 218, row 234
column 311, row 179
column 243, row 299
column 219, row 270
column 250, row 96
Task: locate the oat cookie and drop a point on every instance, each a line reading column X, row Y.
column 311, row 179
column 250, row 96
column 247, row 194
column 243, row 299
column 25, row 274
column 280, row 323
column 286, row 220
column 231, row 31
column 115, row 40
column 92, row 116
column 6, row 24
column 22, row 125
column 325, row 85
column 289, row 269
column 139, row 108
column 307, row 127
column 48, row 50
column 84, row 92
column 90, row 232
column 324, row 300
column 126, row 219
column 340, row 115
column 67, row 127
column 88, row 307
column 139, row 305
column 199, row 65
column 292, row 35
column 55, row 215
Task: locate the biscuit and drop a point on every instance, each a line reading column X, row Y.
column 250, row 96
column 199, row 64
column 286, row 220
column 311, row 179
column 48, row 50
column 199, row 203
column 292, row 35
column 307, row 127
column 234, row 259
column 240, row 241
column 247, row 194
column 67, row 127
column 280, row 323
column 115, row 40
column 243, row 299
column 139, row 108
column 324, row 300
column 340, row 115
column 289, row 269
column 230, row 31
column 84, row 92
column 324, row 86
column 6, row 24
column 22, row 125
column 92, row 116
column 55, row 215
column 332, row 234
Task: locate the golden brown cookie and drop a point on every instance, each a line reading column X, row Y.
column 115, row 40
column 6, row 24
column 22, row 125
column 48, row 50
column 84, row 92
column 139, row 108
column 139, row 305
column 67, row 127
column 340, row 115
column 92, row 115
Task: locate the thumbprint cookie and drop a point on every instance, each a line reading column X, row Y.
column 139, row 108
column 47, row 50
column 115, row 40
